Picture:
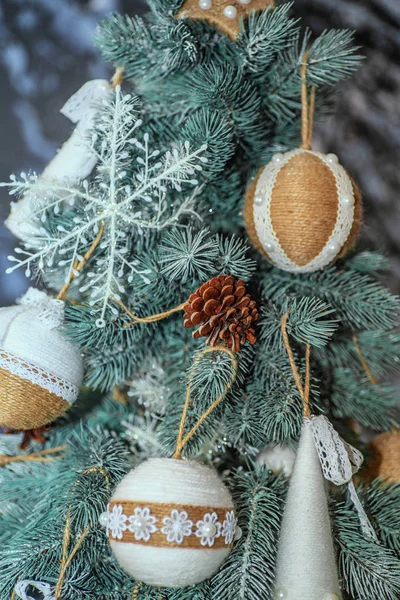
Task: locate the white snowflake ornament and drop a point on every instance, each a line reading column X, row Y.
column 125, row 205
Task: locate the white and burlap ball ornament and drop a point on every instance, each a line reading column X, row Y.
column 303, row 211
column 40, row 371
column 171, row 523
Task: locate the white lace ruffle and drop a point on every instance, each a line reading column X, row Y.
column 51, row 310
column 85, row 99
column 262, row 214
column 339, row 461
column 26, row 370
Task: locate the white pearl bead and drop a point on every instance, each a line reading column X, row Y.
column 333, row 248
column 279, row 595
column 230, row 11
column 205, row 4
column 209, row 529
column 258, row 200
column 238, row 533
column 330, row 596
column 103, row 519
column 277, row 158
column 269, row 247
column 332, row 158
column 244, row 1
column 347, row 201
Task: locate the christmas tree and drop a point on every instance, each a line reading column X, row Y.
column 200, row 269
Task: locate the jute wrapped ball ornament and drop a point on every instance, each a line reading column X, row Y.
column 303, row 211
column 171, row 523
column 40, row 371
column 385, row 457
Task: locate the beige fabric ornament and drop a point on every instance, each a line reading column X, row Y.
column 171, row 522
column 306, row 565
column 73, row 162
column 303, row 211
column 40, row 371
column 385, row 460
column 224, row 14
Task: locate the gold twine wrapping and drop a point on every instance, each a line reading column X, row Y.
column 304, row 207
column 25, row 405
column 160, row 511
column 215, row 15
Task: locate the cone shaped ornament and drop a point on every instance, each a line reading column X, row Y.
column 306, row 565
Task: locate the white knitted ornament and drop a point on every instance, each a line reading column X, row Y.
column 171, row 523
column 73, row 162
column 306, row 566
column 303, row 210
column 279, row 459
column 40, row 371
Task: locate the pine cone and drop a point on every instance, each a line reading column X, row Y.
column 224, row 312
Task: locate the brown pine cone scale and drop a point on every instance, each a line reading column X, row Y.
column 224, row 312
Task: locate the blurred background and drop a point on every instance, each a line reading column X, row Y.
column 46, row 54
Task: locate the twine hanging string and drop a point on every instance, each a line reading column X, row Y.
column 150, row 318
column 363, row 362
column 181, row 439
column 42, row 456
column 304, row 391
column 79, row 265
column 68, row 557
column 116, row 80
column 118, row 77
column 307, row 106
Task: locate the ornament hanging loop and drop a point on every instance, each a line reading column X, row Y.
column 303, row 390
column 307, row 106
column 181, row 440
column 79, row 265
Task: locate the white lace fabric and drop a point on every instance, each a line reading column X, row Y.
column 27, row 370
column 339, row 461
column 264, row 226
column 51, row 310
column 85, row 99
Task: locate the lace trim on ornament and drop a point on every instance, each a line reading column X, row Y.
column 339, row 461
column 51, row 310
column 174, row 528
column 85, row 99
column 26, row 370
column 262, row 214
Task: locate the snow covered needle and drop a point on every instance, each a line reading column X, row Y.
column 134, row 189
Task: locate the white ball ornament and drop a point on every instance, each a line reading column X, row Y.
column 171, row 523
column 303, row 210
column 40, row 370
column 279, row 459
